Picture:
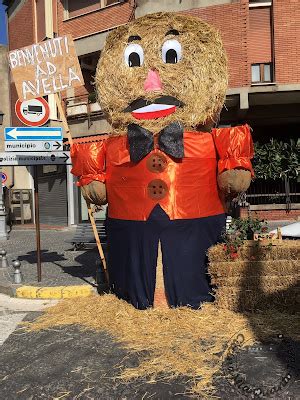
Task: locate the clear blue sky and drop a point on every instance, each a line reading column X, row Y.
column 3, row 36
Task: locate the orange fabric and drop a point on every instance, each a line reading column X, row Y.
column 88, row 161
column 191, row 181
column 234, row 147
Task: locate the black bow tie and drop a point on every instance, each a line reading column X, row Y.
column 141, row 141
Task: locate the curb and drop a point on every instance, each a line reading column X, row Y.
column 54, row 292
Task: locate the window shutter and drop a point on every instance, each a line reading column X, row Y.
column 260, row 42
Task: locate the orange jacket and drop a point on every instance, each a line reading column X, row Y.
column 185, row 188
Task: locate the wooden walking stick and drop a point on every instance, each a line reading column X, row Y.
column 92, row 219
column 100, row 249
column 63, row 118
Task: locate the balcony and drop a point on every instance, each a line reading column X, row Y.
column 85, row 116
column 83, row 106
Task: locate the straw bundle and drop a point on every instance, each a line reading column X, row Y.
column 171, row 342
column 251, row 300
column 199, row 79
column 228, row 269
column 260, row 276
column 289, row 249
column 267, row 282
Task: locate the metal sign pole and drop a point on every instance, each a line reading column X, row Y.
column 3, row 228
column 37, row 223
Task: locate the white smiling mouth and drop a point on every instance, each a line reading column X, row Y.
column 153, row 111
column 153, row 108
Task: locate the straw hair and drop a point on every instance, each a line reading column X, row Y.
column 199, row 79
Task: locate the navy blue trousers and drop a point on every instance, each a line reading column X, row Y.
column 132, row 258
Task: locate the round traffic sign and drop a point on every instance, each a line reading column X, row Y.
column 3, row 178
column 34, row 112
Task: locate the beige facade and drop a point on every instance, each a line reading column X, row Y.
column 18, row 177
column 4, row 106
column 4, row 92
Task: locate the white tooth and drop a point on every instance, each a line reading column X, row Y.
column 153, row 107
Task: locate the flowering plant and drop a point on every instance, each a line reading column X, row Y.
column 240, row 230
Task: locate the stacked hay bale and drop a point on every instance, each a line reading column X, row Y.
column 257, row 277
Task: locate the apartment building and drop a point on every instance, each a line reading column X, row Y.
column 262, row 40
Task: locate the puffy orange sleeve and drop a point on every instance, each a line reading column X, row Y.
column 234, row 147
column 88, row 160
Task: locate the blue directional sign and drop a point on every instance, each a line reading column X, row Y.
column 32, row 133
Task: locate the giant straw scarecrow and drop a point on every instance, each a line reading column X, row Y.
column 161, row 81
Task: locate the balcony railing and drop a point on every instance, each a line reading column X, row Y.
column 82, row 107
column 279, row 191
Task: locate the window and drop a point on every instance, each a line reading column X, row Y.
column 78, row 7
column 260, row 43
column 261, row 73
column 267, row 73
column 255, row 73
column 259, row 3
column 74, row 8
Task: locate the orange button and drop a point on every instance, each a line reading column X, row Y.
column 156, row 163
column 157, row 189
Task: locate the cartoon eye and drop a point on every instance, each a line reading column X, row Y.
column 134, row 55
column 171, row 51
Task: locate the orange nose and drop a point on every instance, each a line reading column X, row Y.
column 152, row 82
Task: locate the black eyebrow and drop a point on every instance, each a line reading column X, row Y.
column 172, row 32
column 134, row 37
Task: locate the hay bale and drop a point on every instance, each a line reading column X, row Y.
column 239, row 268
column 268, row 283
column 260, row 276
column 290, row 249
column 199, row 79
column 251, row 300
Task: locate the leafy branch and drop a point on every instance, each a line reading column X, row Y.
column 277, row 159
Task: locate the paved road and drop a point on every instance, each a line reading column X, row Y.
column 65, row 363
column 68, row 363
column 13, row 311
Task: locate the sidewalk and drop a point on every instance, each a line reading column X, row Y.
column 65, row 273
